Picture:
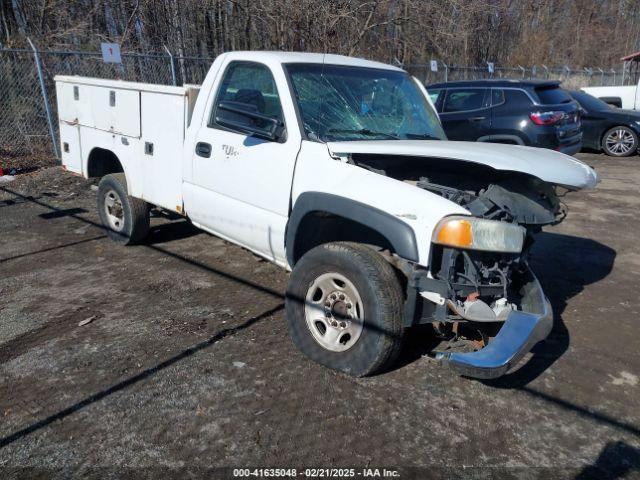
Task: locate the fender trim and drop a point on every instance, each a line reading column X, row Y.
column 399, row 234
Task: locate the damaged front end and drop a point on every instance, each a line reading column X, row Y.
column 478, row 291
column 523, row 327
column 487, row 308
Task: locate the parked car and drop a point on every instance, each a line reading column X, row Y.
column 533, row 113
column 606, row 128
column 620, row 96
column 327, row 166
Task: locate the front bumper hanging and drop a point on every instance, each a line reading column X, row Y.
column 520, row 332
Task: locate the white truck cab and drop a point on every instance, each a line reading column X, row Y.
column 626, row 97
column 336, row 168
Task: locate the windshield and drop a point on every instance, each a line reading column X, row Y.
column 352, row 103
column 589, row 102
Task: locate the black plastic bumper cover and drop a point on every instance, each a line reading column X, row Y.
column 520, row 332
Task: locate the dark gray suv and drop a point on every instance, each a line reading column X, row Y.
column 534, row 113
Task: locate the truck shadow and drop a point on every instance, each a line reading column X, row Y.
column 616, row 460
column 176, row 229
column 564, row 264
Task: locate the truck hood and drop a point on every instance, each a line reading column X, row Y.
column 547, row 165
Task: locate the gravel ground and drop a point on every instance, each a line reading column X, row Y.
column 183, row 364
column 10, row 162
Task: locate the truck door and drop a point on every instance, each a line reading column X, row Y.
column 241, row 184
column 466, row 113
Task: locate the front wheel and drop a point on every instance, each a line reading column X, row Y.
column 344, row 308
column 620, row 142
column 125, row 218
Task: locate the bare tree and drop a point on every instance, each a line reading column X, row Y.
column 465, row 32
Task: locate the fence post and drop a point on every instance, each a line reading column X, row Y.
column 490, row 68
column 173, row 66
column 45, row 98
column 546, row 70
column 446, row 72
column 589, row 72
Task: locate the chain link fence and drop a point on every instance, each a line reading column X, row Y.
column 24, row 123
column 27, row 131
column 23, row 120
column 570, row 78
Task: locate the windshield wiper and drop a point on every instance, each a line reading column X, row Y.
column 363, row 131
column 424, row 136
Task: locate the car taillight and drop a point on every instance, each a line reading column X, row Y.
column 546, row 118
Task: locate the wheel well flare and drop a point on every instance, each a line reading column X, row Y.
column 318, row 218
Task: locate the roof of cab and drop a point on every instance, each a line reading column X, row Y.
column 305, row 57
column 497, row 83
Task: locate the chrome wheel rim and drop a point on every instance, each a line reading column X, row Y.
column 620, row 141
column 334, row 312
column 113, row 210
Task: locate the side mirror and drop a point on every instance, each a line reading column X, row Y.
column 245, row 118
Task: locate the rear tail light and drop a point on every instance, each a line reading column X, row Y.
column 546, row 118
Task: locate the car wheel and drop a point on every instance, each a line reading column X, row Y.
column 125, row 218
column 344, row 308
column 620, row 142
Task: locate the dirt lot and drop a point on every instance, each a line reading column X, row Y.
column 186, row 364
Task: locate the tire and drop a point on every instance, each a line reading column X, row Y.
column 125, row 219
column 372, row 294
column 620, row 142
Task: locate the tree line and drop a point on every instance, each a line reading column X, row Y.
column 460, row 32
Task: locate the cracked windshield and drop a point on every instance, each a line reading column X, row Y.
column 340, row 103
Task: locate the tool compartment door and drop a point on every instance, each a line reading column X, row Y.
column 67, row 105
column 111, row 109
column 70, row 147
column 163, row 124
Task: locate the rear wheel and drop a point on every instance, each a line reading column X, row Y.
column 620, row 142
column 344, row 308
column 125, row 218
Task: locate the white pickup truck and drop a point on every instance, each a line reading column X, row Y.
column 626, row 97
column 336, row 168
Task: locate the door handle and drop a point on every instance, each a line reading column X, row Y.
column 203, row 149
column 477, row 119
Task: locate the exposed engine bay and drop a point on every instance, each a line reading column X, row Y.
column 485, row 192
column 475, row 286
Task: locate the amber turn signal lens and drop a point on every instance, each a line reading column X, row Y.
column 479, row 234
column 456, row 233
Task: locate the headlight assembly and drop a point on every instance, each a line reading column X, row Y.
column 479, row 234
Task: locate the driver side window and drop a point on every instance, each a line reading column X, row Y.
column 464, row 100
column 249, row 86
